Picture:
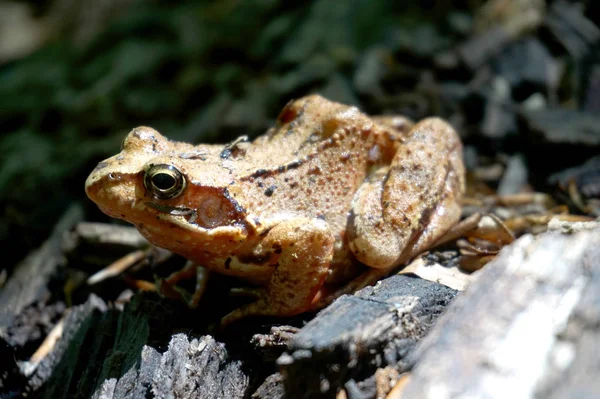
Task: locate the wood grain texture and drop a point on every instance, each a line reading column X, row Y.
column 528, row 326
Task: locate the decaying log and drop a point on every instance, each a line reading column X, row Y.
column 527, row 326
column 564, row 126
column 29, row 282
column 357, row 334
column 64, row 365
column 572, row 28
column 527, row 321
column 87, row 237
column 196, row 368
column 105, row 354
column 271, row 388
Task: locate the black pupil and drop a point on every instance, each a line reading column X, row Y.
column 163, row 181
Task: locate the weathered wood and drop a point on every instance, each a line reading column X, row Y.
column 572, row 29
column 107, row 354
column 586, row 176
column 271, row 388
column 527, row 326
column 357, row 334
column 480, row 48
column 197, row 368
column 96, row 245
column 564, row 126
column 61, row 368
column 272, row 345
column 29, row 282
column 106, row 235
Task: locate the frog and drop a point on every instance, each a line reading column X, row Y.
column 327, row 201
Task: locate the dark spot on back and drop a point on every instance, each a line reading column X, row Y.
column 226, row 153
column 269, row 191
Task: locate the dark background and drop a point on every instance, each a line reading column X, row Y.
column 76, row 76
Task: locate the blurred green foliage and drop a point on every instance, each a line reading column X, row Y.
column 196, row 71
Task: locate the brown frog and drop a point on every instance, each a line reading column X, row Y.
column 299, row 210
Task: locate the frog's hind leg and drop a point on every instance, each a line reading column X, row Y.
column 439, row 222
column 404, row 208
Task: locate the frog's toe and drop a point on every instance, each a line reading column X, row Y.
column 263, row 306
column 168, row 287
column 258, row 308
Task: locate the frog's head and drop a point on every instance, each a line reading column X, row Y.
column 174, row 193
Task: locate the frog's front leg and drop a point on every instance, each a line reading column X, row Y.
column 302, row 249
column 405, row 207
column 168, row 287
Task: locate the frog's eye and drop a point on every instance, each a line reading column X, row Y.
column 164, row 181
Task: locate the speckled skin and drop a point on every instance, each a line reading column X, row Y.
column 297, row 206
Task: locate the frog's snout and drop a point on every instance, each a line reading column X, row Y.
column 93, row 182
column 111, row 196
column 94, row 190
column 89, row 184
column 108, row 189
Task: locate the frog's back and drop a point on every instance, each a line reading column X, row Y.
column 313, row 161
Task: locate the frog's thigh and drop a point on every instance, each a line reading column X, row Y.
column 405, row 207
column 306, row 249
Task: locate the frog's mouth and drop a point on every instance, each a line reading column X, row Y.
column 192, row 214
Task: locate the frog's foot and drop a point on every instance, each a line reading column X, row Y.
column 405, row 208
column 266, row 305
column 302, row 250
column 258, row 308
column 168, row 287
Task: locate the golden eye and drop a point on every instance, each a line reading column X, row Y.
column 164, row 181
